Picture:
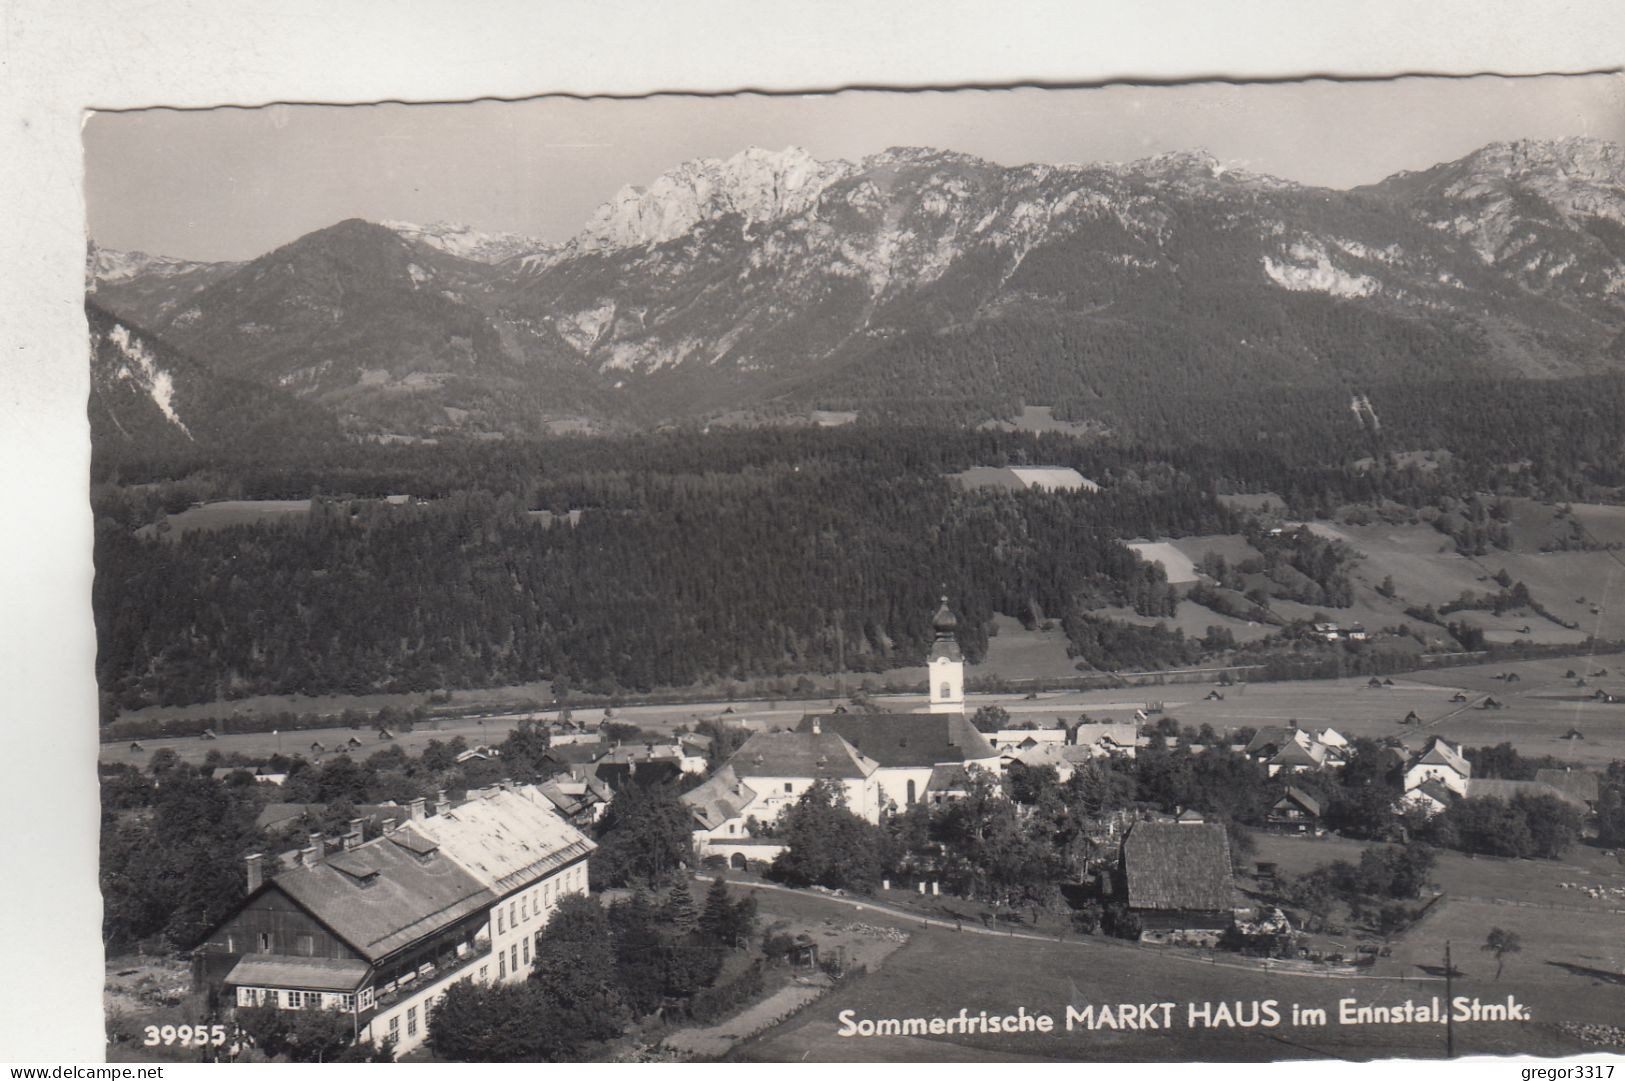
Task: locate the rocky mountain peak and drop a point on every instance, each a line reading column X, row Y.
column 756, row 184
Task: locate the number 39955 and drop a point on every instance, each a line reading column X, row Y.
column 185, row 1035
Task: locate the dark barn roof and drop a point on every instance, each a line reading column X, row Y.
column 1178, row 866
column 907, row 740
column 1579, row 783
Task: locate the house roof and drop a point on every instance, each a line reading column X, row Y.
column 1582, row 784
column 506, row 839
column 721, row 797
column 946, row 778
column 379, row 897
column 1301, row 798
column 1437, row 791
column 802, row 753
column 1171, row 865
column 1440, row 752
column 298, row 973
column 1088, row 735
column 1298, row 754
column 1278, row 736
column 576, row 753
column 907, row 740
column 1039, row 755
column 1490, row 788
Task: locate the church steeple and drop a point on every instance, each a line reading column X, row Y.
column 947, row 664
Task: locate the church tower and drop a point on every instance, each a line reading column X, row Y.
column 947, row 666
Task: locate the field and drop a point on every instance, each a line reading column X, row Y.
column 230, row 512
column 942, row 971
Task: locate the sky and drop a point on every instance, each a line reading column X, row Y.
column 234, row 183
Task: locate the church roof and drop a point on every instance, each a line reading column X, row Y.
column 802, row 753
column 945, row 623
column 907, row 740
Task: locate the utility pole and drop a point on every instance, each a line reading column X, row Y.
column 1449, row 995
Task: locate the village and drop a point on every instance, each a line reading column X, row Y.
column 826, row 841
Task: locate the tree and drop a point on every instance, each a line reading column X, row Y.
column 298, row 1035
column 679, row 910
column 574, row 974
column 523, row 750
column 724, row 920
column 645, row 834
column 990, row 718
column 1501, row 942
column 500, row 1023
column 827, row 845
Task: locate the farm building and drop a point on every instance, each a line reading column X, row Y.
column 1295, row 812
column 1177, row 879
column 1582, row 784
column 378, row 930
column 1506, row 791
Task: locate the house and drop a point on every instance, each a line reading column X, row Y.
column 648, row 760
column 577, row 795
column 1009, row 738
column 1105, row 740
column 947, row 783
column 1439, row 760
column 906, row 747
column 780, row 766
column 1031, row 755
column 1298, row 756
column 1291, row 749
column 1295, row 812
column 1177, row 879
column 1431, row 797
column 1583, row 784
column 378, row 930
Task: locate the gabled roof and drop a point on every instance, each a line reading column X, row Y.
column 723, row 796
column 1299, row 754
column 1506, row 791
column 1437, row 791
column 1039, row 755
column 1278, row 736
column 504, row 840
column 1301, row 798
column 298, row 973
column 1440, row 752
column 404, row 898
column 907, row 740
column 1170, row 865
column 1088, row 735
column 1582, row 784
column 802, row 753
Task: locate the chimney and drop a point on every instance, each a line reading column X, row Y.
column 254, row 862
column 441, row 803
column 415, row 809
column 310, row 857
column 352, row 836
column 315, row 848
column 817, row 728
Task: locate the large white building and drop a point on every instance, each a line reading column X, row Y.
column 379, row 930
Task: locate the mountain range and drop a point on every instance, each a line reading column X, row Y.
column 770, row 284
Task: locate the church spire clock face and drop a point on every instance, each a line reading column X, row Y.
column 947, row 664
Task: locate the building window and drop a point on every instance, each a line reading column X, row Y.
column 947, row 692
column 485, row 973
column 395, row 1028
column 526, row 944
column 364, row 999
column 502, row 965
column 265, row 942
column 787, row 786
column 524, row 908
column 515, row 952
column 411, row 1021
column 306, row 945
column 231, row 944
column 513, row 908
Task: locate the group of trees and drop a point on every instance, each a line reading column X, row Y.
column 596, row 971
column 1375, row 889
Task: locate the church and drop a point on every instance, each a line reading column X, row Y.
column 885, row 762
